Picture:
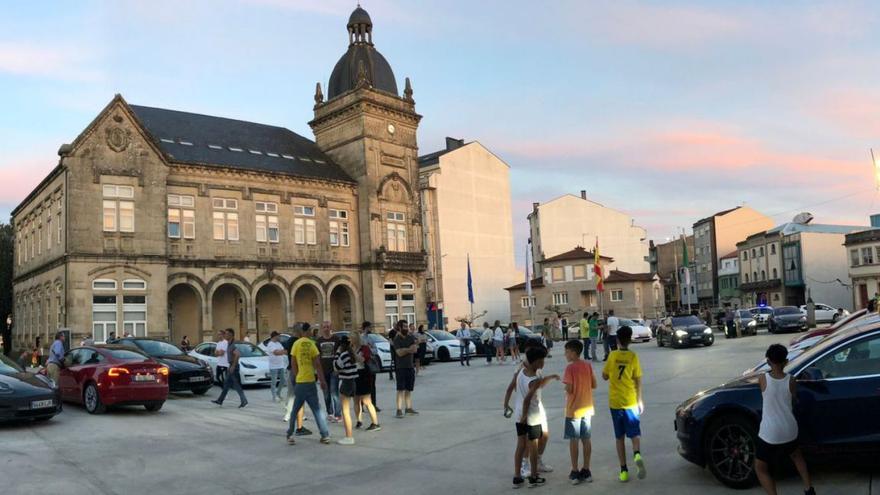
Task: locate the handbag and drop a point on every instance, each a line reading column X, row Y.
column 373, row 366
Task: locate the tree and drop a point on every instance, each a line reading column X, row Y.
column 560, row 311
column 7, row 247
column 470, row 319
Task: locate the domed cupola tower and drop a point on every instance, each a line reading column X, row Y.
column 369, row 130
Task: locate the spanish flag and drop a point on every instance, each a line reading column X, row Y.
column 597, row 269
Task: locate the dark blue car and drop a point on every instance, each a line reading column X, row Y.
column 837, row 407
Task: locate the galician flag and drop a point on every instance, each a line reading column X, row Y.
column 597, row 268
column 528, row 275
column 470, row 281
column 685, row 262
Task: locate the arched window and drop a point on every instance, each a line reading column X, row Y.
column 755, row 276
column 747, row 278
column 775, row 274
column 763, row 275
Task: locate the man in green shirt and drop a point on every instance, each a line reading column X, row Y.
column 584, row 334
column 594, row 334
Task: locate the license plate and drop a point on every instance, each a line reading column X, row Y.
column 145, row 378
column 198, row 379
column 39, row 404
column 696, row 337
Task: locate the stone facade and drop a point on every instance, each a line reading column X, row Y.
column 863, row 253
column 124, row 238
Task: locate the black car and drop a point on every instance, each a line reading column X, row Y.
column 787, row 319
column 476, row 338
column 682, row 331
column 26, row 396
column 186, row 372
column 837, row 407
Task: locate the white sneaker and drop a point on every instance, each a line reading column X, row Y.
column 345, row 441
column 544, row 468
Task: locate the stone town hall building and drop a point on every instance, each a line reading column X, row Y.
column 167, row 223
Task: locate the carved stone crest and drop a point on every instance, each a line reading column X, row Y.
column 118, row 138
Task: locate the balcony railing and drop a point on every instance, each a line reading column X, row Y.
column 404, row 261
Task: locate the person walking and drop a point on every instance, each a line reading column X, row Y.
column 464, row 338
column 222, row 357
column 374, row 364
column 405, row 347
column 623, row 372
column 611, row 326
column 305, row 364
column 345, row 368
column 486, row 337
column 277, row 365
column 327, row 343
column 498, row 340
column 56, row 357
column 301, row 430
column 778, row 431
column 233, row 377
column 563, row 323
column 364, row 384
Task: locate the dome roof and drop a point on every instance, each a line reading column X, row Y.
column 361, row 53
column 359, row 16
column 345, row 74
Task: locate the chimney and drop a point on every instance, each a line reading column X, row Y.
column 583, row 194
column 453, row 144
column 535, row 207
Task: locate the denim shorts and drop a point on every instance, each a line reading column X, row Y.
column 578, row 428
column 626, row 422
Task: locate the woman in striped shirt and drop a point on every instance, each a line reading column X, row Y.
column 364, row 383
column 346, row 368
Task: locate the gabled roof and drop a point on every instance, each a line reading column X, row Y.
column 619, row 276
column 536, row 283
column 719, row 214
column 578, row 253
column 732, row 254
column 193, row 138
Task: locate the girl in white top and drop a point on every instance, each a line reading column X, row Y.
column 778, row 432
column 498, row 340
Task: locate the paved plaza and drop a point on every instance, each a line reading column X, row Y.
column 459, row 444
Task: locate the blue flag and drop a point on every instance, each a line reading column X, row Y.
column 470, row 282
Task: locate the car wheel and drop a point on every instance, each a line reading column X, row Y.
column 730, row 451
column 154, row 406
column 201, row 391
column 92, row 400
column 443, row 354
column 710, row 342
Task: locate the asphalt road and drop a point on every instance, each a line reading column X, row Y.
column 459, row 444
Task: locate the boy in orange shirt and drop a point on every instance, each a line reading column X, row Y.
column 579, row 382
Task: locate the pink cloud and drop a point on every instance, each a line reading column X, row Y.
column 21, row 173
column 54, row 62
column 855, row 111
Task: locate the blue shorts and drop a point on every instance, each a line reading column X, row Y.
column 577, row 428
column 626, row 422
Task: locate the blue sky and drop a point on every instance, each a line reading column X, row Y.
column 668, row 110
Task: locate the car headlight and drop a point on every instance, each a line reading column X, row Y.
column 803, row 319
column 248, row 366
column 48, row 381
column 707, row 331
column 680, row 333
column 752, row 323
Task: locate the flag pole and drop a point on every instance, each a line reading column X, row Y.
column 677, row 277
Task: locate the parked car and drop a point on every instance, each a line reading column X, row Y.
column 840, row 323
column 787, row 319
column 825, row 313
column 477, row 341
column 100, row 376
column 836, row 408
column 187, row 373
column 641, row 333
column 745, row 322
column 524, row 335
column 446, row 346
column 254, row 361
column 26, row 396
column 762, row 314
column 685, row 330
column 381, row 344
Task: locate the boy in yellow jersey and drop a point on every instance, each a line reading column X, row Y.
column 624, row 374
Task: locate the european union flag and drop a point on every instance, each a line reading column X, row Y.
column 470, row 282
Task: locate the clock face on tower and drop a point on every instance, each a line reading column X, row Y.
column 391, row 129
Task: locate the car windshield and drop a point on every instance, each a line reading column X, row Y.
column 8, row 366
column 626, row 323
column 158, row 348
column 126, row 355
column 786, row 310
column 249, row 350
column 745, row 314
column 685, row 321
column 442, row 335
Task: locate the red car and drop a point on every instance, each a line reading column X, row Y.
column 112, row 375
column 820, row 332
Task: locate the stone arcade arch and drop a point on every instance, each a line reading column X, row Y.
column 229, row 308
column 184, row 312
column 270, row 310
column 308, row 303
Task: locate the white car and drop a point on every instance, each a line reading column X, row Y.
column 641, row 333
column 825, row 313
column 446, row 346
column 379, row 342
column 762, row 314
column 254, row 361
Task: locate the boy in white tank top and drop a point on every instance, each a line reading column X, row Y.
column 778, row 432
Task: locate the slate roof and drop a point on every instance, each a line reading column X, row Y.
column 536, row 283
column 870, row 235
column 730, row 255
column 452, row 144
column 619, row 276
column 577, row 253
column 217, row 141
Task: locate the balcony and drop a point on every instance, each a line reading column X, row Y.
column 401, row 261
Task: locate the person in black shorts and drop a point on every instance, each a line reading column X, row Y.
column 405, row 347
